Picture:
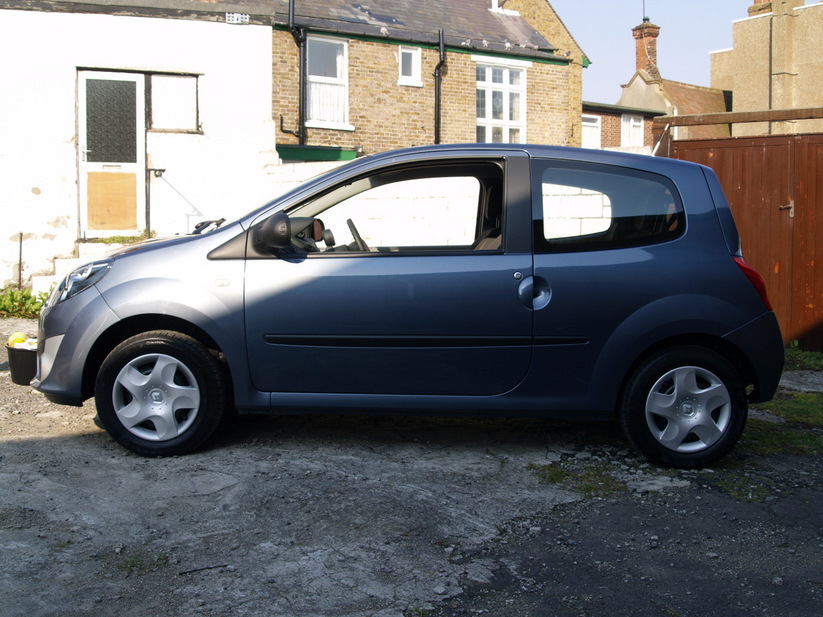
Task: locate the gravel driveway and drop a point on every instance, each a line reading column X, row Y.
column 393, row 517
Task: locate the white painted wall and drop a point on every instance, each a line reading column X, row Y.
column 224, row 172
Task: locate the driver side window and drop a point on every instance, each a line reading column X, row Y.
column 420, row 210
column 423, row 212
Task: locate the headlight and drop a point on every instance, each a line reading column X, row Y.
column 82, row 278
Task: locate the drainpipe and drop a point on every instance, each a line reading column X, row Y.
column 438, row 88
column 299, row 36
column 20, row 263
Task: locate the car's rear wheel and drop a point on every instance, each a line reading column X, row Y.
column 160, row 393
column 684, row 407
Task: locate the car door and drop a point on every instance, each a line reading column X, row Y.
column 406, row 280
column 604, row 253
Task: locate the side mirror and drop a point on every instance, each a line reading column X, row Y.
column 275, row 232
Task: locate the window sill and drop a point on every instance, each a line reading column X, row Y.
column 176, row 131
column 334, row 126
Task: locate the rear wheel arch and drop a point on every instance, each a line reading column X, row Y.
column 713, row 343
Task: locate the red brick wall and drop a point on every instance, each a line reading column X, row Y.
column 611, row 128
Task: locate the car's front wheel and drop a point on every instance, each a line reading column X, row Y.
column 160, row 393
column 684, row 407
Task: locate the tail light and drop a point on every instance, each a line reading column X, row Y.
column 755, row 280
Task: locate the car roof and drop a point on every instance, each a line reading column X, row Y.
column 612, row 157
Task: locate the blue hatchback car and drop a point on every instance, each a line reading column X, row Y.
column 467, row 279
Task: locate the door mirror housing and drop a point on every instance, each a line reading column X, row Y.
column 275, row 232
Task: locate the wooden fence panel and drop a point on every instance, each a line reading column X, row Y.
column 808, row 284
column 775, row 187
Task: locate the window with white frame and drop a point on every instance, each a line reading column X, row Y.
column 409, row 60
column 631, row 131
column 591, row 136
column 328, row 84
column 173, row 103
column 501, row 101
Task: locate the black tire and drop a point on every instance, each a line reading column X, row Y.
column 160, row 393
column 684, row 407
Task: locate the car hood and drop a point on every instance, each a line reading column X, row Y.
column 140, row 246
column 144, row 246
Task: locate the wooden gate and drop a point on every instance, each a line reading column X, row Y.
column 775, row 188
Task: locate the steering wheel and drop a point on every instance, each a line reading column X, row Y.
column 358, row 240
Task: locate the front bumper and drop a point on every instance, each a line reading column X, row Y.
column 67, row 334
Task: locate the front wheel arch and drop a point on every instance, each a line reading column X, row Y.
column 139, row 324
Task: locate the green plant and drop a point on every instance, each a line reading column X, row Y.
column 745, row 486
column 800, row 432
column 145, row 235
column 593, row 479
column 141, row 562
column 798, row 359
column 21, row 303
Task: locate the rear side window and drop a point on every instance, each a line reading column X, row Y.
column 588, row 207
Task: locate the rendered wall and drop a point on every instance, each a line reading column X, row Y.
column 775, row 63
column 220, row 173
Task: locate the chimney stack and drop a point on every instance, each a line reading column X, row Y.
column 760, row 7
column 645, row 36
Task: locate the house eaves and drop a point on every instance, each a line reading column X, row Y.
column 590, row 106
column 467, row 24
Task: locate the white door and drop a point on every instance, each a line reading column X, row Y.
column 111, row 153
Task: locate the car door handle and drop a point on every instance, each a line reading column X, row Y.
column 534, row 292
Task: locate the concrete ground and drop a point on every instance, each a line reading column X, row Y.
column 396, row 517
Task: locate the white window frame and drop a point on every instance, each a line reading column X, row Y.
column 488, row 123
column 175, row 104
column 415, row 55
column 593, row 137
column 632, row 132
column 328, row 97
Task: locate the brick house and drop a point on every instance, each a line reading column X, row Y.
column 396, row 73
column 615, row 127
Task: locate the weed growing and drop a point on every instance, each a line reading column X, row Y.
column 798, row 431
column 799, row 360
column 592, row 478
